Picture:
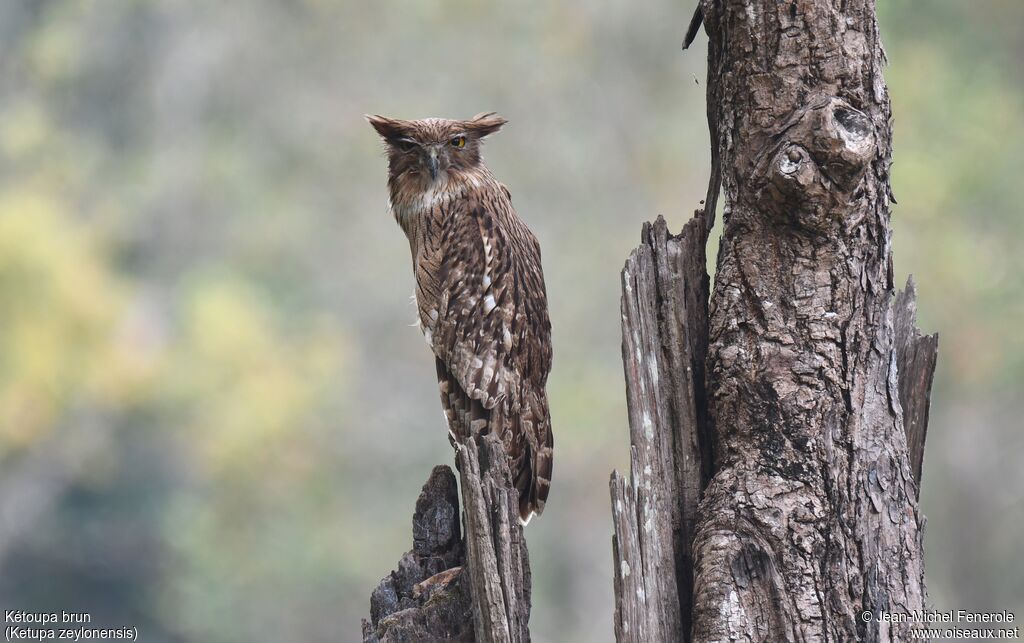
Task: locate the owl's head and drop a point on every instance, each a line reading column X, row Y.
column 433, row 147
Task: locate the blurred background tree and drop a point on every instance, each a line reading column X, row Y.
column 214, row 418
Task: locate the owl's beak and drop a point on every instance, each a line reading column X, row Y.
column 434, row 165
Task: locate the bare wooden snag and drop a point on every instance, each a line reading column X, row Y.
column 497, row 560
column 916, row 356
column 664, row 344
column 455, row 589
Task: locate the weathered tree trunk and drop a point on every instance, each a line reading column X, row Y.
column 452, row 589
column 809, row 518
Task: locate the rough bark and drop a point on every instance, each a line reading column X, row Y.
column 811, row 516
column 452, row 589
column 664, row 344
column 428, row 597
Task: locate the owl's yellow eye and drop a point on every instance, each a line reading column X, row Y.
column 458, row 141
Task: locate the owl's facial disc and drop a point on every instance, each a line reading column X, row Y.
column 434, row 147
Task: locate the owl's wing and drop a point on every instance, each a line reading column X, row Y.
column 483, row 309
column 487, row 316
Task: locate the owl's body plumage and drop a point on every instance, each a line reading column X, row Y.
column 480, row 291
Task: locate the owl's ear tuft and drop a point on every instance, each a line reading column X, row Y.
column 484, row 124
column 390, row 129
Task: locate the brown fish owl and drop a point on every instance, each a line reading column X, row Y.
column 479, row 290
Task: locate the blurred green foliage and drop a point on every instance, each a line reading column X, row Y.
column 59, row 307
column 214, row 418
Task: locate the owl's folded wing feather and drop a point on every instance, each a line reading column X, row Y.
column 486, row 313
column 483, row 308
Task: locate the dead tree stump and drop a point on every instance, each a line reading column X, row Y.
column 428, row 596
column 497, row 560
column 453, row 588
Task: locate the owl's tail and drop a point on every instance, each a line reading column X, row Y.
column 525, row 430
column 534, row 475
